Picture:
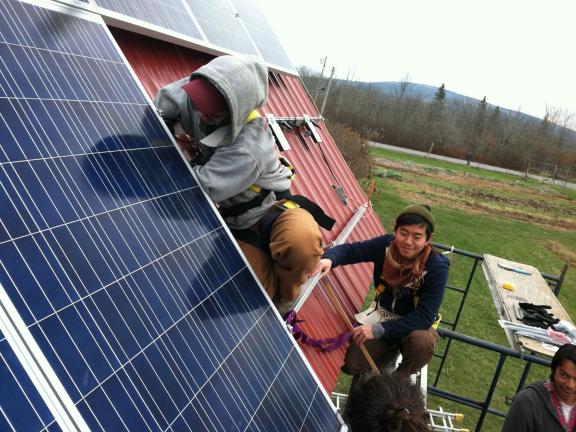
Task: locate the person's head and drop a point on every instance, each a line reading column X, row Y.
column 237, row 82
column 563, row 374
column 413, row 229
column 382, row 403
column 207, row 100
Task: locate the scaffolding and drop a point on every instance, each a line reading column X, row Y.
column 438, row 420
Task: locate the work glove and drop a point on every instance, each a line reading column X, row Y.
column 537, row 315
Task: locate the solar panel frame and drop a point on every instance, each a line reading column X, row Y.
column 22, row 407
column 39, row 321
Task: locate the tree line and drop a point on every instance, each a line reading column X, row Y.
column 471, row 130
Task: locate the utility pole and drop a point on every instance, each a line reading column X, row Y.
column 320, row 80
column 430, row 150
column 327, row 91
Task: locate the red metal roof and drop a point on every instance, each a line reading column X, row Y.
column 157, row 63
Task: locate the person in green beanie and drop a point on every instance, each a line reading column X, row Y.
column 410, row 278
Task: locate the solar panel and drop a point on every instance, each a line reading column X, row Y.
column 262, row 34
column 238, row 26
column 172, row 15
column 222, row 25
column 124, row 303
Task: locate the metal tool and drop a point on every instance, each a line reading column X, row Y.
column 514, row 269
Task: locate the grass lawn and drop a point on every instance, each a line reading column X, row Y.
column 482, row 212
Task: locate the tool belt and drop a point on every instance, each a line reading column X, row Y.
column 259, row 235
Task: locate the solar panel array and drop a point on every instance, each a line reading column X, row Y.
column 116, row 265
column 232, row 25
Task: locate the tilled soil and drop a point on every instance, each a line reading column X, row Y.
column 474, row 194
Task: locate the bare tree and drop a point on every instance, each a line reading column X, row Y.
column 459, row 128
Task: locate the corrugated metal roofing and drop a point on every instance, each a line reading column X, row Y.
column 157, row 63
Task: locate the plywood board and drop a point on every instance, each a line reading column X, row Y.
column 531, row 288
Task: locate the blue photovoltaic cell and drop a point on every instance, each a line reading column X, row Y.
column 221, row 25
column 169, row 14
column 22, row 407
column 262, row 33
column 116, row 262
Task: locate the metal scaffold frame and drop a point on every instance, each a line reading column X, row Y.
column 555, row 283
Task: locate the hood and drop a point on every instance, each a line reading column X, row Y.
column 243, row 80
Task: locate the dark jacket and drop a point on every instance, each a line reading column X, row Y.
column 430, row 293
column 532, row 411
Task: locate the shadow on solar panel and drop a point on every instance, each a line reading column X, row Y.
column 125, row 177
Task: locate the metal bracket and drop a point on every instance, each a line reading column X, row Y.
column 315, row 135
column 277, row 132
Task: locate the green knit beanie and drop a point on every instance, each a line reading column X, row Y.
column 422, row 210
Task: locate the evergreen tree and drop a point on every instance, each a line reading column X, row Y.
column 479, row 126
column 545, row 130
column 440, row 94
column 435, row 121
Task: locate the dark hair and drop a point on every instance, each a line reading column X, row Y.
column 386, row 403
column 413, row 219
column 565, row 352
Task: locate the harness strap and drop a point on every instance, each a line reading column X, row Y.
column 253, row 115
column 315, row 210
column 321, row 218
column 251, row 237
column 284, row 161
column 383, row 287
column 262, row 240
column 238, row 209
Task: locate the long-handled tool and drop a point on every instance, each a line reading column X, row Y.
column 514, row 269
column 344, row 317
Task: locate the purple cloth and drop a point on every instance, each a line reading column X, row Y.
column 325, row 345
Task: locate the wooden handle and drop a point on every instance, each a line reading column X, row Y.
column 343, row 315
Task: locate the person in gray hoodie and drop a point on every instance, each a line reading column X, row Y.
column 236, row 161
column 547, row 406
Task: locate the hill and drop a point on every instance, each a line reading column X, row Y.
column 426, row 93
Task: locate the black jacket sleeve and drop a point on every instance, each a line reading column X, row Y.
column 353, row 253
column 520, row 417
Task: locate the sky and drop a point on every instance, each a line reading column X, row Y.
column 519, row 54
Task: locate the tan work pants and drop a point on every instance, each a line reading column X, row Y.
column 296, row 248
column 417, row 349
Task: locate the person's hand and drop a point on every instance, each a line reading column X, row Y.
column 362, row 333
column 188, row 145
column 323, row 267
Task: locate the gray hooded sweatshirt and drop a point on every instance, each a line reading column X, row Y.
column 243, row 153
column 532, row 411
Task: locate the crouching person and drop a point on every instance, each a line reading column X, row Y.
column 234, row 156
column 409, row 276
